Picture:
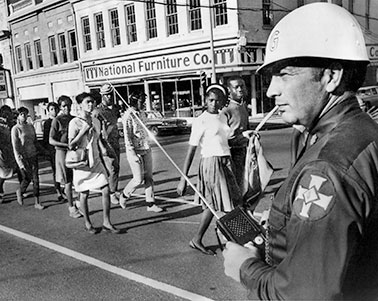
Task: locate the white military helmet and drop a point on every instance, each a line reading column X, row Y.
column 106, row 89
column 320, row 30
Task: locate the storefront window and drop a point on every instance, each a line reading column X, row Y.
column 123, row 92
column 170, row 97
column 155, row 97
column 184, row 100
column 176, row 97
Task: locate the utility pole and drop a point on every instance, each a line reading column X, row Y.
column 212, row 54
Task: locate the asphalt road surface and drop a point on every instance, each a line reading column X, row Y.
column 46, row 255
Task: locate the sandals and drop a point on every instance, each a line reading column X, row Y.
column 39, row 206
column 111, row 230
column 202, row 249
column 91, row 230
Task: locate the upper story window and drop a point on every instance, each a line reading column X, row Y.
column 63, row 54
column 220, row 12
column 28, row 56
column 131, row 23
column 86, row 33
column 114, row 27
column 172, row 19
column 19, row 62
column 100, row 34
column 72, row 43
column 151, row 19
column 267, row 12
column 38, row 53
column 53, row 51
column 195, row 15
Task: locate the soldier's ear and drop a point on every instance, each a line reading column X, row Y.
column 333, row 76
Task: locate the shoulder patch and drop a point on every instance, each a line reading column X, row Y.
column 314, row 197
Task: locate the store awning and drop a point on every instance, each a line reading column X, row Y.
column 33, row 92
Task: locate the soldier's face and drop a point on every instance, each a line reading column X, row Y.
column 299, row 94
column 108, row 99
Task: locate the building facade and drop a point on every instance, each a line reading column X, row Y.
column 45, row 53
column 169, row 49
column 6, row 88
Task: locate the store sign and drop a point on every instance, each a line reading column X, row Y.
column 3, row 85
column 147, row 66
column 372, row 51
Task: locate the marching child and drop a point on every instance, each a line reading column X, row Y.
column 216, row 181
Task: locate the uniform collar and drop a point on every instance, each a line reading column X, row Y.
column 340, row 109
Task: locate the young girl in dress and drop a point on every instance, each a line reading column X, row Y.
column 216, row 181
column 58, row 137
column 82, row 130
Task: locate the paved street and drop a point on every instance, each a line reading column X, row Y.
column 46, row 255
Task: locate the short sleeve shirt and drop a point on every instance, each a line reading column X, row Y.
column 211, row 132
column 59, row 129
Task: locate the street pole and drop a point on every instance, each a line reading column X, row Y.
column 212, row 54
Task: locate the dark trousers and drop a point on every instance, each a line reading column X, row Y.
column 112, row 167
column 51, row 158
column 31, row 174
column 238, row 155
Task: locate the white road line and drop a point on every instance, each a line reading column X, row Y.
column 180, row 222
column 107, row 267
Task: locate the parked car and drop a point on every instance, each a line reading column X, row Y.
column 159, row 124
column 368, row 100
column 369, row 95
